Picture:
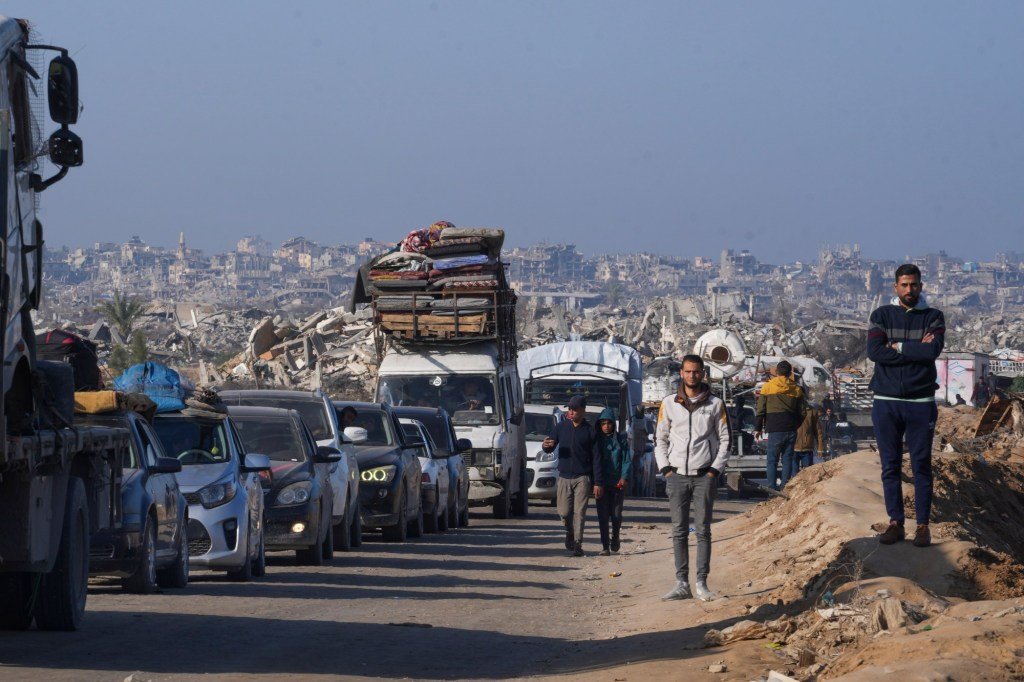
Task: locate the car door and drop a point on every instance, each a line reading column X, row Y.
column 162, row 488
column 410, row 465
column 250, row 483
column 443, row 476
column 322, row 473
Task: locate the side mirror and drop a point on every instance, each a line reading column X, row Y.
column 325, row 454
column 517, row 416
column 165, row 465
column 62, row 90
column 255, row 463
column 463, row 445
column 356, row 434
column 65, row 148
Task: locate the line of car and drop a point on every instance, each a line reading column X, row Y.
column 273, row 471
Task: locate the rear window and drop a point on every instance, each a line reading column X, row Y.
column 278, row 439
column 193, row 441
column 313, row 412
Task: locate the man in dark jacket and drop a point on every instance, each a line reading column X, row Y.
column 579, row 469
column 904, row 339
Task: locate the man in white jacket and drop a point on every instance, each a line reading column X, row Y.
column 692, row 447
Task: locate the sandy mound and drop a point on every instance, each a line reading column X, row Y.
column 955, row 429
column 844, row 599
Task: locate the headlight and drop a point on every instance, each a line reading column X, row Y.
column 384, row 474
column 216, row 494
column 545, row 456
column 296, row 493
column 483, row 457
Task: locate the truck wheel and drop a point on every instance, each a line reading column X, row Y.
column 521, row 506
column 176, row 575
column 502, row 504
column 400, row 531
column 61, row 601
column 16, row 600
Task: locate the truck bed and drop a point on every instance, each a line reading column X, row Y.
column 55, row 447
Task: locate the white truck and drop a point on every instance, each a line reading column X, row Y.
column 58, row 485
column 609, row 375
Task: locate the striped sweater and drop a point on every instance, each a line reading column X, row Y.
column 909, row 372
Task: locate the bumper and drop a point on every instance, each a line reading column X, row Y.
column 545, row 480
column 378, row 504
column 218, row 537
column 280, row 521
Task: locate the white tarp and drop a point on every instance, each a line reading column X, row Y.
column 585, row 357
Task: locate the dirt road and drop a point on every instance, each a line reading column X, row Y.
column 498, row 599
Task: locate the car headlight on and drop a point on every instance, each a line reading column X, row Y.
column 545, row 456
column 296, row 493
column 216, row 494
column 384, row 474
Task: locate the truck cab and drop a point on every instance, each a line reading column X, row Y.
column 482, row 393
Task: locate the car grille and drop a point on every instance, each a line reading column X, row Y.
column 192, row 498
column 198, row 539
column 467, row 458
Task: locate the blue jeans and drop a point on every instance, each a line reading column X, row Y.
column 780, row 447
column 896, row 422
column 804, row 459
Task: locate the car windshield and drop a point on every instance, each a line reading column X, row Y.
column 468, row 398
column 193, row 441
column 312, row 410
column 378, row 430
column 538, row 426
column 276, row 438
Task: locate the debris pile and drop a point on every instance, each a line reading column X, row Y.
column 995, row 432
column 828, row 593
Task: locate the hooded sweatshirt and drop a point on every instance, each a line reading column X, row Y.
column 692, row 436
column 616, row 461
column 781, row 405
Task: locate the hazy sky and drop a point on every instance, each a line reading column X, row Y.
column 674, row 127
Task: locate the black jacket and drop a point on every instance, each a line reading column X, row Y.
column 910, row 371
column 579, row 452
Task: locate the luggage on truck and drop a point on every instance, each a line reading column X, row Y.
column 96, row 402
column 163, row 385
column 63, row 346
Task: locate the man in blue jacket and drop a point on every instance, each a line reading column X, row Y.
column 579, row 469
column 904, row 339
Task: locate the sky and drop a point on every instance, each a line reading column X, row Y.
column 671, row 127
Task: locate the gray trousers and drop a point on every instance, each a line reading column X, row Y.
column 682, row 490
column 573, row 496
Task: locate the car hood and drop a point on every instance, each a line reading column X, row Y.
column 376, row 455
column 533, row 448
column 287, row 472
column 195, row 476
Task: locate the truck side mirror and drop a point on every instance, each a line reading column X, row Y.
column 517, row 416
column 65, row 148
column 62, row 90
column 463, row 445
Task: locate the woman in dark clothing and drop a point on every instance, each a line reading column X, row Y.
column 615, row 469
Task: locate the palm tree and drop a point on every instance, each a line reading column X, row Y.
column 123, row 312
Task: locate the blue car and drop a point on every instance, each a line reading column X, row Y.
column 148, row 546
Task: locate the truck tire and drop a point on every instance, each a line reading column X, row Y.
column 16, row 600
column 400, row 531
column 143, row 579
column 243, row 573
column 521, row 504
column 60, row 604
column 502, row 504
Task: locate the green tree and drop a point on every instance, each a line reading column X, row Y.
column 123, row 312
column 1018, row 385
column 119, row 360
column 138, row 351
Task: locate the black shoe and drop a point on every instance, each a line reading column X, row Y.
column 893, row 534
column 605, row 552
column 569, row 542
column 578, row 549
column 615, row 543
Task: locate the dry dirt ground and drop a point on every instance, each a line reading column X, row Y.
column 805, row 590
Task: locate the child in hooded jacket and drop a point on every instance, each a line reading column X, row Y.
column 616, row 463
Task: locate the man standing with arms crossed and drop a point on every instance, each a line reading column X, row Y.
column 691, row 447
column 904, row 340
column 579, row 469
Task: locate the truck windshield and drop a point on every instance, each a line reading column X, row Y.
column 599, row 392
column 193, row 441
column 469, row 398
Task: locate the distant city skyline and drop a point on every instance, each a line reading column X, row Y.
column 678, row 128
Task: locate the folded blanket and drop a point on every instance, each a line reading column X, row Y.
column 462, row 261
column 464, row 270
column 394, row 303
column 377, row 275
column 464, row 303
column 399, row 261
column 447, row 247
column 495, row 237
column 418, row 240
column 398, row 284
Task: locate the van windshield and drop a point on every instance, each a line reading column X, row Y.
column 599, row 392
column 468, row 398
